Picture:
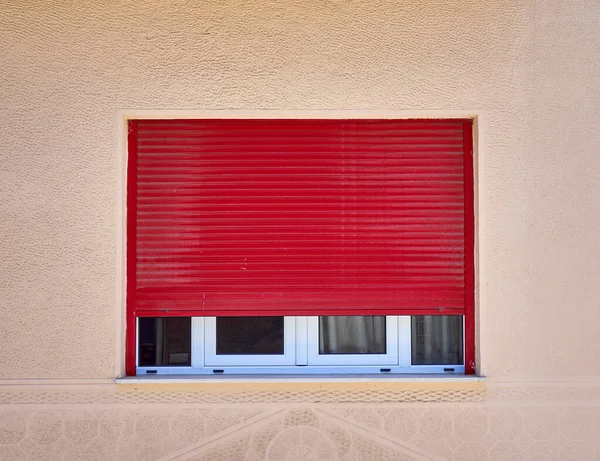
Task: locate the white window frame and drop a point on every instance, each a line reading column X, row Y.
column 389, row 358
column 211, row 358
column 301, row 343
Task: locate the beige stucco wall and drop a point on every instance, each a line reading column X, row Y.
column 529, row 70
column 292, row 422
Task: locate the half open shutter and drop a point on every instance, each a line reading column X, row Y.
column 297, row 217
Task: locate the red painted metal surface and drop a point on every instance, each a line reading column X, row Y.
column 299, row 217
column 470, row 362
column 130, row 324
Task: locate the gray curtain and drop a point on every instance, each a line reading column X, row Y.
column 352, row 335
column 437, row 340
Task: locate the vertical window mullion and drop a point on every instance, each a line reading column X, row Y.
column 301, row 341
column 404, row 341
column 137, row 342
column 197, row 342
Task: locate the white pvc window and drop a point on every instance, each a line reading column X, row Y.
column 301, row 345
column 349, row 340
column 212, row 357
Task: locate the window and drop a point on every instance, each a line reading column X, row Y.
column 327, row 344
column 298, row 246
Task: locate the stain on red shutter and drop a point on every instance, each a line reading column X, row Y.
column 297, row 217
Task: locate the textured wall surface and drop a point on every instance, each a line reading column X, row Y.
column 283, row 423
column 530, row 69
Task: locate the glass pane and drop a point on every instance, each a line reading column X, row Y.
column 437, row 339
column 165, row 341
column 249, row 335
column 356, row 334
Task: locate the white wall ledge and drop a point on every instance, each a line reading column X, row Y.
column 366, row 378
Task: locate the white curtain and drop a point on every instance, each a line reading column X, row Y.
column 352, row 335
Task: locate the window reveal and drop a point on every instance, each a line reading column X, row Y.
column 303, row 218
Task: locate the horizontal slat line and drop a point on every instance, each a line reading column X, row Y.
column 256, row 223
column 316, row 243
column 291, row 136
column 280, row 277
column 322, row 207
column 301, row 136
column 310, row 146
column 212, row 311
column 320, row 240
column 291, row 247
column 436, row 146
column 268, row 145
column 246, row 127
column 246, row 291
column 351, row 272
column 171, row 197
column 389, row 232
column 430, row 213
column 398, row 150
column 320, row 204
column 351, row 159
column 349, row 267
column 448, row 254
column 314, row 295
column 243, row 176
column 314, row 158
column 191, row 193
column 342, row 213
column 287, row 285
column 299, row 140
column 443, row 297
column 193, row 204
column 240, row 181
column 391, row 307
column 405, row 184
column 280, row 257
column 241, row 262
column 250, row 286
column 283, row 125
column 292, row 293
column 343, row 171
column 349, row 173
column 345, row 217
column 311, row 127
column 433, row 213
column 285, row 230
column 308, row 130
column 238, row 236
column 415, row 244
column 337, row 136
column 273, row 237
column 281, row 283
column 311, row 238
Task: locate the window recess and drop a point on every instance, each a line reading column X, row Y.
column 361, row 344
column 308, row 221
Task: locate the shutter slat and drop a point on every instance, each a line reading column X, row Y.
column 298, row 217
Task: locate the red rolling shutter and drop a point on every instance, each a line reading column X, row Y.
column 299, row 217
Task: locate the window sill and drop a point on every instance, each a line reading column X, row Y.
column 366, row 378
